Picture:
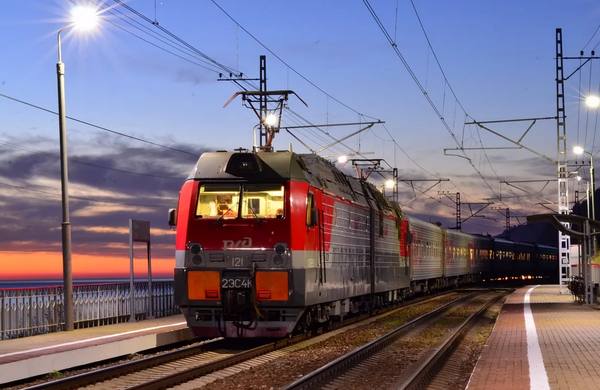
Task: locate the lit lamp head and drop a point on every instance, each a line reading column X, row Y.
column 271, row 120
column 578, row 178
column 342, row 159
column 592, row 101
column 389, row 184
column 84, row 18
column 578, row 150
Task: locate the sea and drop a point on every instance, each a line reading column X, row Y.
column 40, row 283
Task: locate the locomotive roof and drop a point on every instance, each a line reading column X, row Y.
column 286, row 165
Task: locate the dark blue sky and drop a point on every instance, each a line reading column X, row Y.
column 497, row 55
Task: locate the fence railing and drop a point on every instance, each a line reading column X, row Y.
column 31, row 311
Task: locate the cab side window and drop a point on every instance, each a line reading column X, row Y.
column 311, row 210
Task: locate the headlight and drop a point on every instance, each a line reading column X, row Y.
column 280, row 249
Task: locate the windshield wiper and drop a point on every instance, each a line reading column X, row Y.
column 253, row 212
column 224, row 214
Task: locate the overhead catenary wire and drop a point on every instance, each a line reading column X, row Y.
column 579, row 103
column 285, row 63
column 217, row 63
column 79, row 161
column 290, row 67
column 163, row 38
column 424, row 92
column 449, row 85
column 292, row 112
column 177, row 38
column 191, row 61
column 48, row 191
column 99, row 127
column 447, row 82
column 591, row 38
column 587, row 112
column 595, row 125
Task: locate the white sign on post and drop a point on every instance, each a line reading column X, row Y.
column 139, row 231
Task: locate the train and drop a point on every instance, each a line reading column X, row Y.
column 270, row 243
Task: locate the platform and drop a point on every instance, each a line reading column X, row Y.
column 541, row 340
column 37, row 355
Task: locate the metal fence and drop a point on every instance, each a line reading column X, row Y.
column 31, row 311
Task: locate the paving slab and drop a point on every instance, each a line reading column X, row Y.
column 37, row 355
column 566, row 333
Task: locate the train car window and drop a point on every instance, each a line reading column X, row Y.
column 218, row 201
column 263, row 201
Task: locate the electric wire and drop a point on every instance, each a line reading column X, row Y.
column 447, row 83
column 48, row 191
column 162, row 48
column 177, row 38
column 99, row 127
column 587, row 112
column 423, row 90
column 305, row 78
column 579, row 103
column 79, row 161
column 591, row 38
column 595, row 126
column 227, row 69
column 295, row 71
column 130, row 20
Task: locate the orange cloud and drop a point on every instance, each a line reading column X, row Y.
column 46, row 265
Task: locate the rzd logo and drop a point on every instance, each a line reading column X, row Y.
column 245, row 242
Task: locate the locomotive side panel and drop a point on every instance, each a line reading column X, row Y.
column 391, row 269
column 335, row 253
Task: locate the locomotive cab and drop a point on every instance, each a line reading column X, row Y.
column 233, row 272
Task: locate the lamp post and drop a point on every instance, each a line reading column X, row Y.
column 82, row 19
column 578, row 150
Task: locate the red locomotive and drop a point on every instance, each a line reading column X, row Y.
column 269, row 243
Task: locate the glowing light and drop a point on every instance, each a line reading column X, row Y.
column 592, row 101
column 578, row 178
column 578, row 150
column 271, row 120
column 342, row 159
column 84, row 18
column 389, row 184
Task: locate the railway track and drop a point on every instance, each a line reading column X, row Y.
column 442, row 365
column 405, row 357
column 213, row 358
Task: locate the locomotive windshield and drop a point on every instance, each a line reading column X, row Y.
column 223, row 201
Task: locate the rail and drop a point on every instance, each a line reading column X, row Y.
column 321, row 375
column 182, row 365
column 37, row 310
column 428, row 369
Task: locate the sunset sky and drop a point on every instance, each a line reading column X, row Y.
column 498, row 58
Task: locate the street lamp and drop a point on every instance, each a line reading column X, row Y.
column 83, row 18
column 343, row 159
column 592, row 101
column 578, row 150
